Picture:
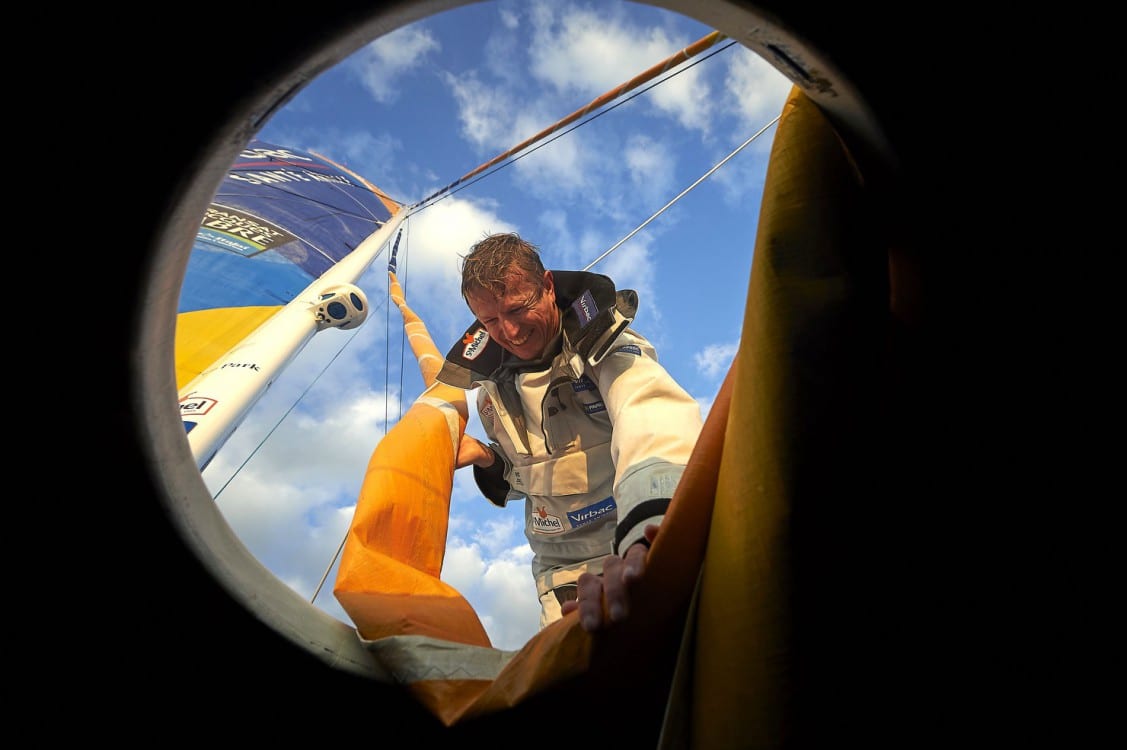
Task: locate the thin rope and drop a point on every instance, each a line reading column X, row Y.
column 386, row 352
column 403, row 331
column 282, row 418
column 684, row 192
column 325, row 575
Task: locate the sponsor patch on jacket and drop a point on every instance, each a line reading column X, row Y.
column 543, row 522
column 475, row 343
column 591, row 513
column 594, row 408
column 629, row 349
column 583, row 383
column 487, row 409
column 585, row 308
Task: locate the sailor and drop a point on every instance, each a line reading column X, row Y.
column 583, row 424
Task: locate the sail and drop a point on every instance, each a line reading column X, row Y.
column 281, row 218
column 388, row 581
column 275, row 260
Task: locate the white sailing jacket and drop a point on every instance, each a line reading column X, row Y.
column 594, row 438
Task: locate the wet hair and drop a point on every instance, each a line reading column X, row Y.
column 490, row 260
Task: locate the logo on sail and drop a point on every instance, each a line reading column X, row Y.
column 196, row 406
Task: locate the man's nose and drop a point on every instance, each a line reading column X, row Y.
column 510, row 327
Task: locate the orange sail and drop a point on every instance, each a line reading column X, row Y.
column 388, row 581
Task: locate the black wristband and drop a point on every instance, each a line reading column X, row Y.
column 641, row 512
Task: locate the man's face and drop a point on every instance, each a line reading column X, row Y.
column 523, row 319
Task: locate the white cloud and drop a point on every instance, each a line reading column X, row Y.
column 753, row 88
column 651, row 167
column 381, row 63
column 509, row 19
column 584, row 51
column 479, row 108
column 715, row 359
column 501, row 586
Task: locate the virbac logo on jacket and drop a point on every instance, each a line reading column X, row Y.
column 543, row 522
column 585, row 308
column 591, row 513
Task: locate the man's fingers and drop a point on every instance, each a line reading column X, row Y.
column 635, row 562
column 619, row 574
column 614, row 586
column 590, row 601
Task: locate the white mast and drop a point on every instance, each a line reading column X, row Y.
column 216, row 401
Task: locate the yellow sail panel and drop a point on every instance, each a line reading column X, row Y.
column 779, row 633
column 281, row 219
column 203, row 336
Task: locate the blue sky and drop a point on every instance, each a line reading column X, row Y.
column 413, row 112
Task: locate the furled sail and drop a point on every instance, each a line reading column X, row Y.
column 388, row 581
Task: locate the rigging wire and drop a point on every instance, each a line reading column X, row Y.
column 684, row 192
column 325, row 575
column 562, row 133
column 402, row 331
column 282, row 418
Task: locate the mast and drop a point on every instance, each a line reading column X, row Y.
column 214, row 403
